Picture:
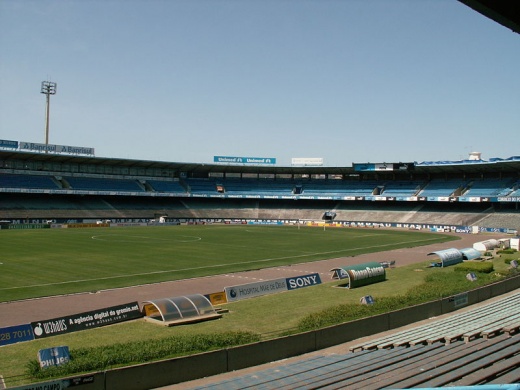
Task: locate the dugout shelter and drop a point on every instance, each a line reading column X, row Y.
column 448, row 257
column 179, row 310
column 360, row 274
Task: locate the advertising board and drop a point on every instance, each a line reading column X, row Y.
column 54, row 356
column 49, row 148
column 8, row 144
column 86, row 320
column 16, row 334
column 251, row 290
column 307, row 162
column 245, row 160
column 265, row 287
column 361, row 274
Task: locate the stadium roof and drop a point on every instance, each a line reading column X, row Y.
column 509, row 166
column 504, row 12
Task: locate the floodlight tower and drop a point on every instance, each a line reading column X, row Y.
column 48, row 88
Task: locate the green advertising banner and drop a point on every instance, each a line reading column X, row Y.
column 361, row 274
column 28, row 226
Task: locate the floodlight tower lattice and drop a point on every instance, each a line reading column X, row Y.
column 48, row 88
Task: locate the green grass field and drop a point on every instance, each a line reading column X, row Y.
column 46, row 262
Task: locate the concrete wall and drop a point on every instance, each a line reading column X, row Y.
column 167, row 372
column 337, row 334
column 413, row 314
column 269, row 351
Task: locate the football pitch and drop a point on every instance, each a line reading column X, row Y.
column 46, row 262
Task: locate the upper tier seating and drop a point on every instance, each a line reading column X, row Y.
column 441, row 188
column 339, row 187
column 490, row 187
column 103, row 184
column 515, row 192
column 166, row 186
column 401, row 188
column 27, row 181
column 201, row 185
column 260, row 186
column 277, row 187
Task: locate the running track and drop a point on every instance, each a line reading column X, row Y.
column 39, row 309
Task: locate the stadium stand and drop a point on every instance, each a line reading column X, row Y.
column 340, row 187
column 258, row 186
column 70, row 207
column 201, row 186
column 18, row 181
column 481, row 188
column 517, row 191
column 166, row 186
column 461, row 364
column 102, row 184
column 474, row 361
column 400, row 188
column 66, row 188
column 484, row 321
column 442, row 188
column 489, row 187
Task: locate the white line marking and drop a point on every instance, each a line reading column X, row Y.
column 207, row 267
column 107, row 237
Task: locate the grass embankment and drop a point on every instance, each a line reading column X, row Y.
column 283, row 313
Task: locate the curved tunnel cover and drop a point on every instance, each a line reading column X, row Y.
column 181, row 307
column 449, row 257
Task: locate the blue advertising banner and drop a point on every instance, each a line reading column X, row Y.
column 8, row 144
column 16, row 334
column 55, row 356
column 244, row 160
column 364, row 167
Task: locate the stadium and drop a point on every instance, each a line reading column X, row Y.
column 466, row 336
column 467, row 198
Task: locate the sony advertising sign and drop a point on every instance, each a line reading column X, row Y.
column 265, row 287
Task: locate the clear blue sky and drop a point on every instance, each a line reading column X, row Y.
column 183, row 81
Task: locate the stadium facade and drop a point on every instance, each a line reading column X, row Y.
column 39, row 187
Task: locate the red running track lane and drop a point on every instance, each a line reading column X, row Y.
column 39, row 309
